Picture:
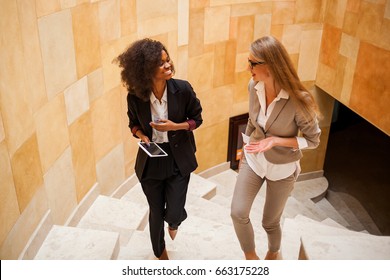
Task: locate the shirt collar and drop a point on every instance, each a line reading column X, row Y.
column 163, row 99
column 282, row 93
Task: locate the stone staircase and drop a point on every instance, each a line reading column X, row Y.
column 116, row 227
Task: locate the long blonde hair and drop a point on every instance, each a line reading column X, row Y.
column 270, row 50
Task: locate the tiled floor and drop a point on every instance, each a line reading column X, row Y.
column 357, row 163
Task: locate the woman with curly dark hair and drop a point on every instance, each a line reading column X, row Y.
column 165, row 111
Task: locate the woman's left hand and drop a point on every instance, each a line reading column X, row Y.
column 163, row 125
column 261, row 146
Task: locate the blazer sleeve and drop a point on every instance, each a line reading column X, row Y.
column 194, row 108
column 309, row 128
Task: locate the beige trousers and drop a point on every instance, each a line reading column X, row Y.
column 247, row 187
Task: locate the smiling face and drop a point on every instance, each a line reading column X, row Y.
column 258, row 70
column 165, row 69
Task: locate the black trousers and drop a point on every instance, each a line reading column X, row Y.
column 166, row 191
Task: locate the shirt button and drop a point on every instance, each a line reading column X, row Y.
column 176, row 145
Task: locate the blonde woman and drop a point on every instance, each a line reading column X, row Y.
column 279, row 108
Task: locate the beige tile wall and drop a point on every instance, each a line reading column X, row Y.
column 354, row 58
column 63, row 122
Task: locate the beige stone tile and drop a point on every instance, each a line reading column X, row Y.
column 199, row 4
column 2, row 133
column 339, row 77
column 183, row 22
column 213, row 101
column 16, row 111
column 330, row 41
column 65, row 4
column 27, row 172
column 9, row 209
column 240, row 108
column 156, row 26
column 57, row 47
column 283, row 12
column 248, row 9
column 86, row 38
column 325, row 78
column 353, row 6
column 369, row 79
column 111, row 170
column 277, row 31
column 155, row 9
column 387, row 10
column 245, row 31
column 33, row 66
column 52, row 131
column 106, row 123
column 224, row 65
column 215, row 27
column 262, row 26
column 308, row 54
column 25, row 226
column 349, row 73
column 196, row 33
column 292, row 38
column 60, row 188
column 111, row 71
column 172, row 44
column 349, row 46
column 208, row 138
column 199, row 70
column 95, row 84
column 242, row 61
column 370, row 22
column 384, row 35
column 350, row 25
column 219, row 64
column 83, row 158
column 76, row 100
column 109, row 20
column 128, row 17
column 46, row 7
column 229, row 2
column 241, row 86
column 181, row 64
column 230, row 63
column 335, row 11
column 308, row 11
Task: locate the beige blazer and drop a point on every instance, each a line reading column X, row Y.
column 286, row 120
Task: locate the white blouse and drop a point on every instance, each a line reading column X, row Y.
column 159, row 111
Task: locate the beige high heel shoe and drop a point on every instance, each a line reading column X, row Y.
column 172, row 233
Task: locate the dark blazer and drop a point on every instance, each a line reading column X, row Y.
column 286, row 120
column 183, row 105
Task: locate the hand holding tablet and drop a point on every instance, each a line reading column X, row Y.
column 152, row 149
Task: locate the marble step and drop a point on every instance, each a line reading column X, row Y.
column 197, row 239
column 112, row 214
column 201, row 187
column 294, row 229
column 345, row 247
column 331, row 212
column 342, row 208
column 314, row 189
column 70, row 243
column 360, row 213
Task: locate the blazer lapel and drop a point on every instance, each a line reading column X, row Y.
column 275, row 113
column 144, row 110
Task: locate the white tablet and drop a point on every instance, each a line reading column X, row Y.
column 152, row 149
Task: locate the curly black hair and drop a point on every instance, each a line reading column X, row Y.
column 140, row 63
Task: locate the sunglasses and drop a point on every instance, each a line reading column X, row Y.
column 254, row 63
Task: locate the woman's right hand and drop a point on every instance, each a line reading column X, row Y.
column 142, row 137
